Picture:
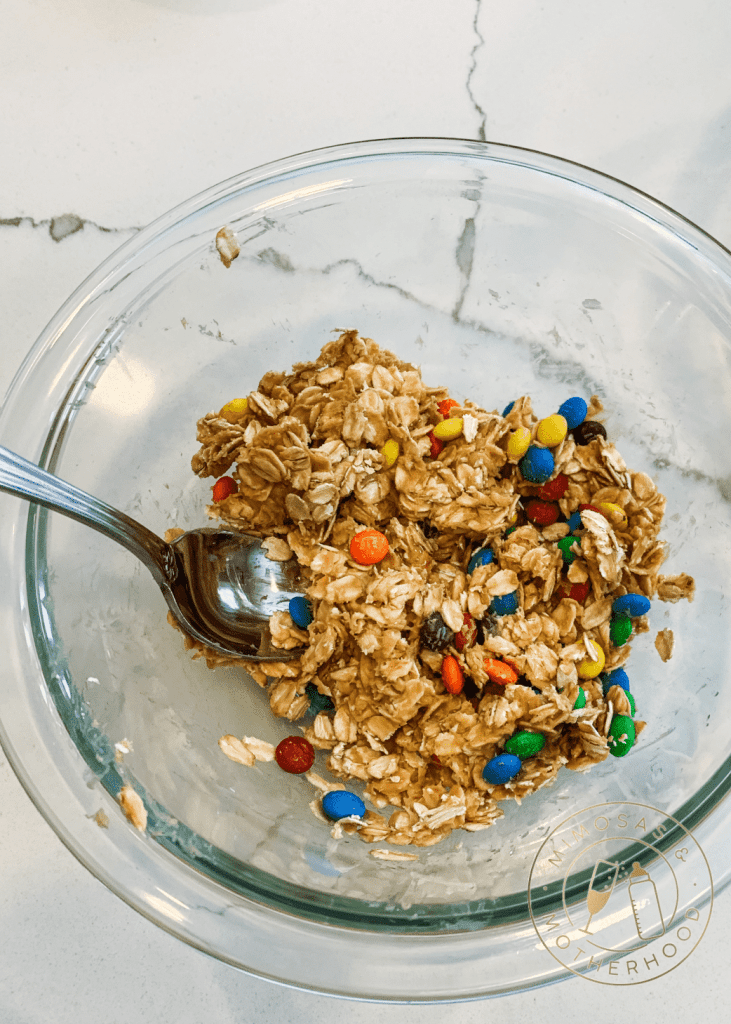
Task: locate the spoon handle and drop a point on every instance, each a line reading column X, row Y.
column 22, row 478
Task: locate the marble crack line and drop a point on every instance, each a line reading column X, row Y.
column 473, row 67
column 63, row 225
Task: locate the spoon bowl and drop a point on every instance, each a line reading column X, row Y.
column 220, row 585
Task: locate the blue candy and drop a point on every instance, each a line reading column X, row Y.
column 339, row 803
column 617, row 677
column 482, row 557
column 536, row 465
column 574, row 522
column 507, row 604
column 632, row 605
column 301, row 611
column 318, row 701
column 507, row 408
column 501, row 769
column 574, row 411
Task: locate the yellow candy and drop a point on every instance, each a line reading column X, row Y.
column 552, row 430
column 390, row 453
column 236, row 406
column 589, row 668
column 518, row 443
column 614, row 513
column 447, row 430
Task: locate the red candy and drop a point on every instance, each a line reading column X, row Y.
column 452, row 675
column 467, row 634
column 446, row 405
column 577, row 592
column 554, row 489
column 223, row 488
column 295, row 755
column 436, row 444
column 542, row 513
column 591, row 508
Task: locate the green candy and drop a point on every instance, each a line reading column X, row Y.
column 580, row 701
column 566, row 544
column 620, row 629
column 525, row 744
column 621, row 735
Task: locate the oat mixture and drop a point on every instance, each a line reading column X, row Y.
column 304, row 451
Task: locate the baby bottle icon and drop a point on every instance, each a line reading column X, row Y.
column 645, row 904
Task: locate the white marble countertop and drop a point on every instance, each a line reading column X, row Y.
column 115, row 110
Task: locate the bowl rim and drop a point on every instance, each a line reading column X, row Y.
column 161, row 863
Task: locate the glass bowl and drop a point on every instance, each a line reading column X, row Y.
column 501, row 272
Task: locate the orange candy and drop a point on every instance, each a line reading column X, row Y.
column 369, row 547
column 499, row 672
column 223, row 488
column 452, row 675
column 445, row 405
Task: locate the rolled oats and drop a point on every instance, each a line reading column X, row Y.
column 310, row 475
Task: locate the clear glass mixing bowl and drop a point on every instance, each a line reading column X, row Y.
column 501, row 272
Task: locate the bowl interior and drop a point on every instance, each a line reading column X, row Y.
column 500, row 273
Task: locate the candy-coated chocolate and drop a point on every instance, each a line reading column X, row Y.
column 368, row 547
column 445, row 405
column 541, row 513
column 621, row 735
column 500, row 672
column 318, row 701
column 452, row 675
column 508, row 408
column 537, row 465
column 574, row 411
column 620, row 629
column 482, row 557
column 614, row 513
column 447, row 430
column 295, row 755
column 390, row 453
column 437, row 446
column 617, row 677
column 554, row 489
column 590, row 668
column 525, row 744
column 587, row 431
column 300, row 611
column 552, row 430
column 506, row 604
column 466, row 637
column 518, row 443
column 236, row 406
column 632, row 605
column 567, row 546
column 580, row 701
column 223, row 488
column 574, row 521
column 435, row 634
column 580, row 591
column 339, row 803
column 501, row 769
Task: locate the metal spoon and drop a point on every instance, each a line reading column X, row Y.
column 219, row 585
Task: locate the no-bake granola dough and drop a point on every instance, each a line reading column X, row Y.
column 304, row 453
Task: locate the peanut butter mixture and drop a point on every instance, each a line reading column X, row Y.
column 304, row 451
